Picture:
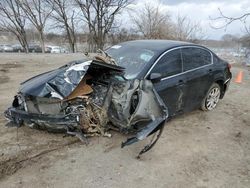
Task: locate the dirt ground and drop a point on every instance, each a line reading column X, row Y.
column 198, row 149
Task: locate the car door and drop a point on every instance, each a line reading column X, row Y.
column 197, row 69
column 172, row 83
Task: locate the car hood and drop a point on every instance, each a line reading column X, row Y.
column 59, row 83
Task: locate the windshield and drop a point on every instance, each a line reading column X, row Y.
column 134, row 59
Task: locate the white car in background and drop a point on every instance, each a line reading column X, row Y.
column 6, row 48
column 57, row 49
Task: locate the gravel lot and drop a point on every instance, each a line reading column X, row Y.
column 198, row 149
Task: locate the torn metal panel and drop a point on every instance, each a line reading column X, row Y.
column 151, row 127
column 81, row 90
column 147, row 105
column 151, row 112
column 101, row 56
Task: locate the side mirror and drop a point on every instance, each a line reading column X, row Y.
column 155, row 77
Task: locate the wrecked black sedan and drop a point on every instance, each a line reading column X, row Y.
column 133, row 87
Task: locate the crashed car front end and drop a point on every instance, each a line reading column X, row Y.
column 88, row 98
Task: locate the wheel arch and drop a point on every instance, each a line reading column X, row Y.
column 223, row 86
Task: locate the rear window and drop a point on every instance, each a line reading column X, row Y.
column 195, row 58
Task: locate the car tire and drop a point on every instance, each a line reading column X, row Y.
column 212, row 98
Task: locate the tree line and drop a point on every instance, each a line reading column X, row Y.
column 98, row 18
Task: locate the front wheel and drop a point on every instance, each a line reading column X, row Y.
column 212, row 98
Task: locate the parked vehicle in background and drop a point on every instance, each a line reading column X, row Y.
column 64, row 50
column 1, row 48
column 6, row 48
column 47, row 49
column 35, row 48
column 17, row 48
column 57, row 49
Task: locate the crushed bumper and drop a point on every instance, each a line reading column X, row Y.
column 59, row 122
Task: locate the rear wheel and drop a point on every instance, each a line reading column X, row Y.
column 212, row 98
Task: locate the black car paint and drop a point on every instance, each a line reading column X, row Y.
column 180, row 93
column 184, row 92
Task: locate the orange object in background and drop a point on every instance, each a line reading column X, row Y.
column 239, row 77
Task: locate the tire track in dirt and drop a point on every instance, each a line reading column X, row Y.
column 4, row 70
column 11, row 165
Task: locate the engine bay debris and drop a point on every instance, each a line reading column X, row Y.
column 88, row 98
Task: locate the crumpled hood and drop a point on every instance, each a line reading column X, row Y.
column 96, row 98
column 61, row 82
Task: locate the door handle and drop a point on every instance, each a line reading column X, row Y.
column 210, row 71
column 180, row 83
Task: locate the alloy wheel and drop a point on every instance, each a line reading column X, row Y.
column 213, row 98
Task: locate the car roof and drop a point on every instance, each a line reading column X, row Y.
column 157, row 45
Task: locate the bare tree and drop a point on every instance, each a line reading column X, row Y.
column 152, row 23
column 227, row 20
column 13, row 20
column 38, row 12
column 65, row 18
column 119, row 35
column 186, row 30
column 99, row 16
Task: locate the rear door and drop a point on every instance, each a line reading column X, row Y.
column 172, row 84
column 198, row 71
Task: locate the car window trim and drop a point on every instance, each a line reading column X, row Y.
column 165, row 78
column 176, row 48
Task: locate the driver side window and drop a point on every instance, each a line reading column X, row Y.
column 169, row 64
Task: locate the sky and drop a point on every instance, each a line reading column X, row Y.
column 201, row 11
